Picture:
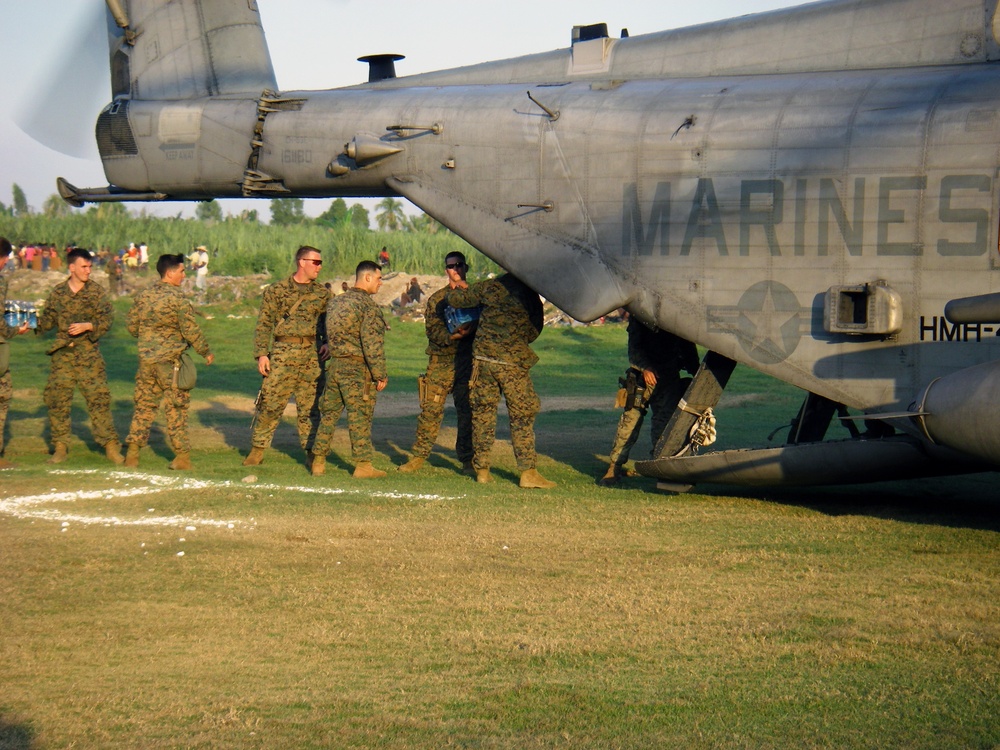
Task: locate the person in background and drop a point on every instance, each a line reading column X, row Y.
column 7, row 332
column 199, row 262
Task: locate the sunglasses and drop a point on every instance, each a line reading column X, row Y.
column 453, row 266
column 314, row 261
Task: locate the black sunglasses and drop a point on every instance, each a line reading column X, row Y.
column 314, row 261
column 452, row 266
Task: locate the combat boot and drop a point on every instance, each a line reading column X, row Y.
column 468, row 468
column 132, row 456
column 4, row 464
column 483, row 476
column 60, row 454
column 612, row 476
column 413, row 465
column 256, row 457
column 532, row 480
column 318, row 467
column 113, row 451
column 181, row 462
column 365, row 470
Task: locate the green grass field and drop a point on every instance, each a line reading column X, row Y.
column 146, row 609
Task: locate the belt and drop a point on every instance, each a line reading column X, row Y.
column 294, row 340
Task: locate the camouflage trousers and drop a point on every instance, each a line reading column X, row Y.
column 348, row 386
column 489, row 380
column 295, row 372
column 445, row 375
column 152, row 388
column 662, row 398
column 6, row 394
column 69, row 371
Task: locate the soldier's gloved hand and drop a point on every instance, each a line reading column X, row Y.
column 264, row 365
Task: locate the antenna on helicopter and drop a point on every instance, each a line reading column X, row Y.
column 381, row 67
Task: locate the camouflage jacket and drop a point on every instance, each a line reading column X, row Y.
column 282, row 313
column 6, row 331
column 163, row 320
column 510, row 320
column 63, row 307
column 659, row 351
column 355, row 328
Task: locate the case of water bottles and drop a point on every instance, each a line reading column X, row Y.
column 456, row 317
column 16, row 312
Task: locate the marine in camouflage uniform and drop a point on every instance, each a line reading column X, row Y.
column 655, row 361
column 79, row 311
column 355, row 330
column 288, row 345
column 449, row 368
column 510, row 320
column 164, row 322
column 6, row 334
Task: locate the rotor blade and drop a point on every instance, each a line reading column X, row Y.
column 69, row 86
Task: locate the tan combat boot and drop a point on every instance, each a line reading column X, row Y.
column 113, row 451
column 132, row 456
column 612, row 476
column 256, row 457
column 318, row 467
column 365, row 470
column 483, row 476
column 413, row 465
column 532, row 480
column 60, row 454
column 181, row 462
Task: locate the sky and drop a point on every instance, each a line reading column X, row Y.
column 314, row 44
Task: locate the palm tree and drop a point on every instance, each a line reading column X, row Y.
column 390, row 216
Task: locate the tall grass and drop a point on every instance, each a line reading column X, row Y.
column 239, row 247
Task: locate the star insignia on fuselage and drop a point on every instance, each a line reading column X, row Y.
column 767, row 321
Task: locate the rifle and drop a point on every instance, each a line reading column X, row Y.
column 256, row 407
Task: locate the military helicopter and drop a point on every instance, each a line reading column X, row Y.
column 810, row 192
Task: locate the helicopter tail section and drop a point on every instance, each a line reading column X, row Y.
column 187, row 49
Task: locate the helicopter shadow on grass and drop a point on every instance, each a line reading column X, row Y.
column 16, row 735
column 961, row 502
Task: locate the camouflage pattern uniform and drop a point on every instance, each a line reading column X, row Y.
column 76, row 360
column 289, row 325
column 355, row 331
column 6, row 384
column 448, row 371
column 511, row 319
column 666, row 355
column 164, row 322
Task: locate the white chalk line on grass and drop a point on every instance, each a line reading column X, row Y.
column 26, row 506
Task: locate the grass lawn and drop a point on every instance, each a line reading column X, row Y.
column 147, row 609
